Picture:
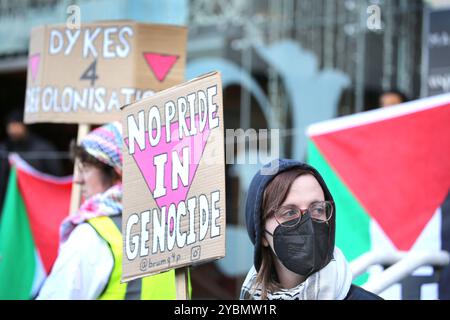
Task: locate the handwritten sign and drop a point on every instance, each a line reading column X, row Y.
column 174, row 179
column 85, row 75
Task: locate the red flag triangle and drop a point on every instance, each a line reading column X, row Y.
column 160, row 64
column 47, row 201
column 33, row 62
column 398, row 168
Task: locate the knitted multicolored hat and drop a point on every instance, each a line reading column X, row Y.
column 105, row 144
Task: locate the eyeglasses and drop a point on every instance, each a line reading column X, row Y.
column 290, row 216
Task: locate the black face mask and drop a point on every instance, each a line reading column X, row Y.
column 304, row 248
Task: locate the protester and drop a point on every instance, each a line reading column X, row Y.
column 290, row 218
column 38, row 152
column 89, row 262
column 392, row 98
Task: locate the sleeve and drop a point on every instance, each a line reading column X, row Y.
column 82, row 268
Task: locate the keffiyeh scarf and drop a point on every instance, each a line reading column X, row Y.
column 108, row 203
column 330, row 283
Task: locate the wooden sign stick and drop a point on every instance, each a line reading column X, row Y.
column 75, row 198
column 181, row 283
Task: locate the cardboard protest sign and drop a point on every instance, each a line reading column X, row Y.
column 85, row 75
column 174, row 179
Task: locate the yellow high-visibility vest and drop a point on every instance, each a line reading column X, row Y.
column 156, row 287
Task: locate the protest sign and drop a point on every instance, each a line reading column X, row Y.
column 174, row 179
column 85, row 75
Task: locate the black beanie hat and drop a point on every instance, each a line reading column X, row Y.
column 255, row 197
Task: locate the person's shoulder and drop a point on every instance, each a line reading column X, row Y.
column 358, row 293
column 246, row 289
column 84, row 237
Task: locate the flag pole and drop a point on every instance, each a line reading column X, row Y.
column 75, row 197
column 181, row 283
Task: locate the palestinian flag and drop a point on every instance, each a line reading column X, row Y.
column 35, row 205
column 389, row 173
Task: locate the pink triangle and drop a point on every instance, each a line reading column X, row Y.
column 33, row 62
column 144, row 160
column 160, row 64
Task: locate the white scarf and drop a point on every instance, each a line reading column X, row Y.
column 330, row 283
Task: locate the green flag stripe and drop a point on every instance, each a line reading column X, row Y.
column 17, row 248
column 352, row 221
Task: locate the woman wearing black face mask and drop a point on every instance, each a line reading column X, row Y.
column 290, row 217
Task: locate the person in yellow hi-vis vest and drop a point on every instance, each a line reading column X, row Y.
column 89, row 262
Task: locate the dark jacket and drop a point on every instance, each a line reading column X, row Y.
column 37, row 152
column 253, row 213
column 358, row 293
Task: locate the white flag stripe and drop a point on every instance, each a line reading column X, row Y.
column 429, row 240
column 363, row 118
column 15, row 159
column 39, row 274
